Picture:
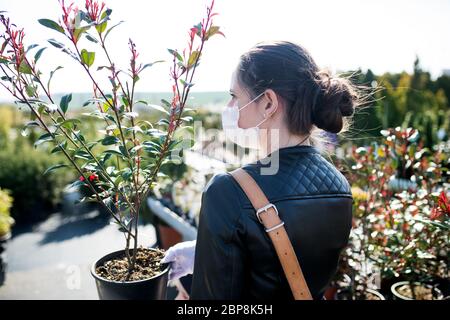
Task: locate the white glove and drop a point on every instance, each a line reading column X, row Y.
column 181, row 257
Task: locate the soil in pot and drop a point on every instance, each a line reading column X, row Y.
column 404, row 290
column 346, row 294
column 147, row 266
column 373, row 295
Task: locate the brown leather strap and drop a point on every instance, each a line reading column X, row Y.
column 268, row 215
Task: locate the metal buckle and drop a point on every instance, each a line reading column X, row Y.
column 275, row 227
column 264, row 209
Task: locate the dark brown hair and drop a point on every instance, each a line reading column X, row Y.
column 313, row 97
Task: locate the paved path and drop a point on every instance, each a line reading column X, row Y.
column 52, row 259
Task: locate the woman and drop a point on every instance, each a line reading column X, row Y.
column 278, row 87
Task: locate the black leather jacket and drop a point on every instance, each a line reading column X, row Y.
column 235, row 258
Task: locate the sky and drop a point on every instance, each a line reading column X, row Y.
column 341, row 35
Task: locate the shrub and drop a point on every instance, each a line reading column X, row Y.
column 6, row 221
column 34, row 193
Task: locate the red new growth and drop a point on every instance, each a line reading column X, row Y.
column 94, row 10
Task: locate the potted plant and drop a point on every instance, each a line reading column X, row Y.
column 418, row 271
column 6, row 222
column 356, row 261
column 122, row 166
column 392, row 182
column 402, row 175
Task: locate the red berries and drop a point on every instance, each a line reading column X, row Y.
column 91, row 177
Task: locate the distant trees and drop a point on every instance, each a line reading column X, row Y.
column 407, row 100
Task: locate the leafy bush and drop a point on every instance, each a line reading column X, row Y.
column 35, row 194
column 395, row 186
column 6, row 221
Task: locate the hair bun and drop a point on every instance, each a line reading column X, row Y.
column 336, row 99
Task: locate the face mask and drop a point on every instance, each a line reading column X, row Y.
column 246, row 138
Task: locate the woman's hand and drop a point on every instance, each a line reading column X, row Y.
column 181, row 257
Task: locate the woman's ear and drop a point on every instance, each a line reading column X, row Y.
column 271, row 104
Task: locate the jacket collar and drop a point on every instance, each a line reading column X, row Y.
column 285, row 151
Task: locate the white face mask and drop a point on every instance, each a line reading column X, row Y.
column 244, row 137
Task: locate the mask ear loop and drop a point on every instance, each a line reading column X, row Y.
column 252, row 100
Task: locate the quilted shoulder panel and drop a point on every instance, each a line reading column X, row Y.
column 301, row 172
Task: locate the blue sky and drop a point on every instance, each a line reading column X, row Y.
column 341, row 35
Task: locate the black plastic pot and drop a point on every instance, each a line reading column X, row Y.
column 437, row 294
column 154, row 288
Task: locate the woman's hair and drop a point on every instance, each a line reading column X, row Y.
column 313, row 97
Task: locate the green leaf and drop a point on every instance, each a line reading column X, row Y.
column 64, row 104
column 193, row 58
column 32, row 124
column 55, row 43
column 106, row 157
column 91, row 38
column 189, row 129
column 163, row 122
column 59, row 146
column 31, row 47
column 109, row 140
column 199, row 29
column 166, row 103
column 100, row 115
column 109, row 30
column 90, row 166
column 136, row 148
column 151, row 146
column 79, row 31
column 102, row 27
column 31, row 91
column 51, row 24
column 77, row 183
column 69, row 123
column 79, row 137
column 38, row 54
column 51, row 76
column 151, row 64
column 25, row 131
column 54, row 167
column 156, row 133
column 186, row 84
column 87, row 57
column 25, row 68
column 107, row 104
column 46, row 137
column 213, row 30
column 135, row 129
column 113, row 152
column 361, row 151
column 92, row 144
column 123, row 150
column 81, row 154
column 176, row 54
column 105, row 15
column 159, row 108
column 126, row 173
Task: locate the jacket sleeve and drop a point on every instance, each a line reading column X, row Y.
column 220, row 254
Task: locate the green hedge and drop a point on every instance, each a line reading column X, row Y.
column 21, row 171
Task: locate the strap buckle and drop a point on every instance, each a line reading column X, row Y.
column 275, row 227
column 264, row 209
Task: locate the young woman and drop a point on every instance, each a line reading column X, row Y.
column 277, row 86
